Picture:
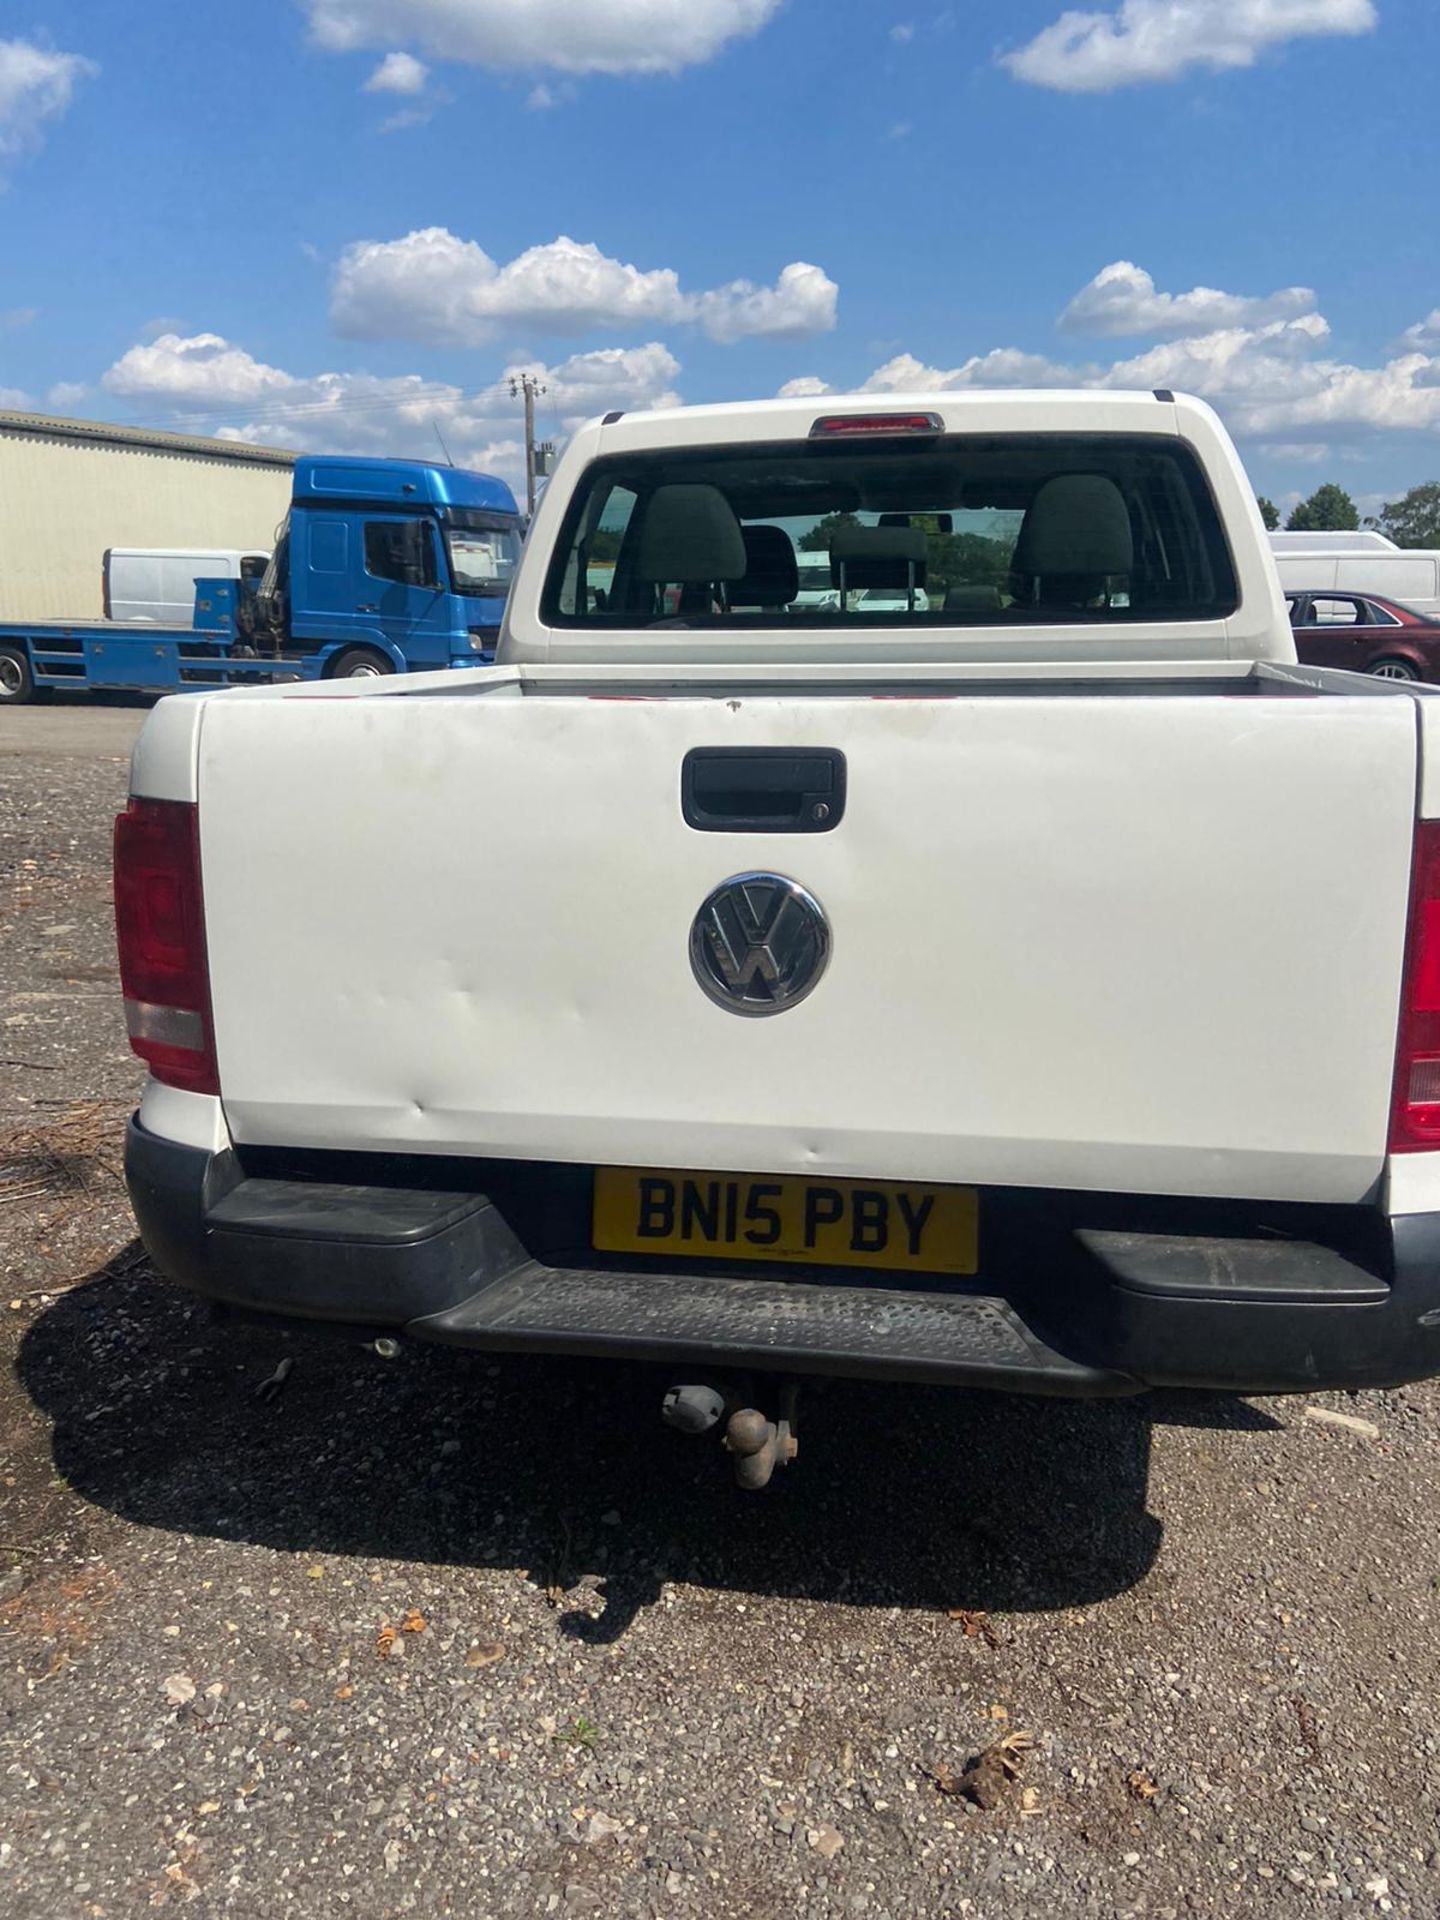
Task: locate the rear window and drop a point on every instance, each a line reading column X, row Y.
column 941, row 531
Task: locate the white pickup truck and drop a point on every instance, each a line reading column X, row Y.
column 1034, row 984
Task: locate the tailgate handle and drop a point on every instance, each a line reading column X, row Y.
column 763, row 789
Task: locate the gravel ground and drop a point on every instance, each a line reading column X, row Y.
column 444, row 1636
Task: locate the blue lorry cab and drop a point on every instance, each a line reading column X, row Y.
column 381, row 566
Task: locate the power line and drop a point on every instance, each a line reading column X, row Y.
column 298, row 409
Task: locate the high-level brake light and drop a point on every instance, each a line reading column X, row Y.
column 844, row 426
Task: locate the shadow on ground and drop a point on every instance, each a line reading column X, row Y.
column 909, row 1497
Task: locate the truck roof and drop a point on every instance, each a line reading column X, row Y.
column 1239, row 615
column 792, row 416
column 405, row 483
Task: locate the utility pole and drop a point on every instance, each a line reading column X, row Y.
column 530, row 387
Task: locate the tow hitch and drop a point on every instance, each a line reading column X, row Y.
column 756, row 1444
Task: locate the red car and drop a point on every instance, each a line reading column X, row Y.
column 1365, row 634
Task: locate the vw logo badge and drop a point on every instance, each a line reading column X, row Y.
column 759, row 944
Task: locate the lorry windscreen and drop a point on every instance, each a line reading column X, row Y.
column 483, row 548
column 943, row 530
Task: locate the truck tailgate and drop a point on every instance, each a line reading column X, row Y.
column 1081, row 939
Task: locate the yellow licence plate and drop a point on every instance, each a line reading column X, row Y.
column 831, row 1223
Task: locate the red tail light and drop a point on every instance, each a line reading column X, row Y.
column 160, row 929
column 843, row 425
column 1415, row 1123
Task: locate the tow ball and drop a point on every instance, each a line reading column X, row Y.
column 756, row 1444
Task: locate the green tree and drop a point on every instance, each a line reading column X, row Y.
column 818, row 539
column 1269, row 513
column 1328, row 510
column 1414, row 519
column 964, row 560
column 604, row 543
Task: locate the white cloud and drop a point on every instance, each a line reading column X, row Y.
column 398, row 73
column 210, row 385
column 807, row 387
column 433, row 287
column 1002, row 367
column 1424, row 336
column 407, row 117
column 1273, row 384
column 14, row 399
column 66, row 394
column 570, row 36
column 1153, row 40
column 542, row 98
column 18, row 317
column 36, row 85
column 802, row 301
column 203, row 367
column 902, row 33
column 1304, row 453
column 1122, row 300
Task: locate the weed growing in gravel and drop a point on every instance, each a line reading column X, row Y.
column 580, row 1733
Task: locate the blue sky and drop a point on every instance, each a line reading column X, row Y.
column 337, row 223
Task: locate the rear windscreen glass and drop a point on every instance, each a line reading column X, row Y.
column 932, row 531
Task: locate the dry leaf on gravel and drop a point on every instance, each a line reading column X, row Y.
column 385, row 1642
column 826, row 1841
column 989, row 1775
column 976, row 1626
column 485, row 1656
column 945, row 1779
column 1141, row 1787
column 414, row 1621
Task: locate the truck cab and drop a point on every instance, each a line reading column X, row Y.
column 391, row 565
column 381, row 566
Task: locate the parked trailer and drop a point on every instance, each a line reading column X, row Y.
column 383, row 566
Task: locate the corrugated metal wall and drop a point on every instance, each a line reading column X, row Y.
column 64, row 501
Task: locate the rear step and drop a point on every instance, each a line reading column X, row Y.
column 792, row 1327
column 1241, row 1306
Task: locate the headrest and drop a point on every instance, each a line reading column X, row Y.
column 1077, row 525
column 772, row 574
column 972, row 600
column 690, row 535
column 878, row 556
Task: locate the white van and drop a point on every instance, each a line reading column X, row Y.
column 816, row 588
column 157, row 584
column 1410, row 576
column 1361, row 540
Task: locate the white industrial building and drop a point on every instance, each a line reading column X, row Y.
column 69, row 489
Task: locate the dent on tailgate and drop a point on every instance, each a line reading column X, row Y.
column 1078, row 941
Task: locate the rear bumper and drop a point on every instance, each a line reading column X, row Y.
column 1081, row 1309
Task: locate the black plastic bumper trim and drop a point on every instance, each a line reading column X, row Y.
column 1073, row 1310
column 1217, row 1267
